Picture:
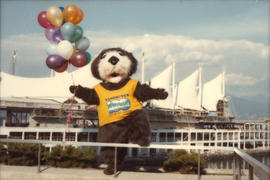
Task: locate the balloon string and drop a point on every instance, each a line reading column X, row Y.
column 72, row 101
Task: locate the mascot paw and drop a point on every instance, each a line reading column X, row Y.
column 74, row 89
column 161, row 94
column 143, row 142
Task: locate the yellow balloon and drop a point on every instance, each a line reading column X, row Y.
column 74, row 49
column 55, row 16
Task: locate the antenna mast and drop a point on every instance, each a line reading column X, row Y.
column 142, row 75
column 14, row 55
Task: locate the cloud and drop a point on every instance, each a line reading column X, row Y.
column 245, row 61
column 240, row 80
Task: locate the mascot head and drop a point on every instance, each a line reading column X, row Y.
column 113, row 65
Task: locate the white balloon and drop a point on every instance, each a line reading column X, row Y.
column 52, row 49
column 65, row 49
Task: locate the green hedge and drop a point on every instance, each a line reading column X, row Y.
column 185, row 163
column 27, row 155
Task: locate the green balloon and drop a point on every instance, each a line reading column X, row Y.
column 68, row 31
column 78, row 34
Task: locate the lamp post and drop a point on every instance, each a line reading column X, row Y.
column 14, row 55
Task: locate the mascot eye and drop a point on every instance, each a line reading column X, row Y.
column 121, row 53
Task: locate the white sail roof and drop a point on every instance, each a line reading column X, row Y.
column 50, row 87
column 189, row 92
column 163, row 80
column 213, row 91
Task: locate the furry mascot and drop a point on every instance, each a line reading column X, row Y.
column 122, row 118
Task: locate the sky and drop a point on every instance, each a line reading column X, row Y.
column 230, row 36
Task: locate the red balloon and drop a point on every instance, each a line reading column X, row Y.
column 78, row 59
column 62, row 68
column 43, row 21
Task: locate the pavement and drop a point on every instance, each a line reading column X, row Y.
column 30, row 173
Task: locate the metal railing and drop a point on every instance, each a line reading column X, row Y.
column 261, row 170
column 254, row 166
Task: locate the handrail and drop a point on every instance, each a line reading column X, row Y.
column 256, row 166
column 95, row 144
column 260, row 169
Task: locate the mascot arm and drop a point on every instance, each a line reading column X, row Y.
column 88, row 95
column 144, row 92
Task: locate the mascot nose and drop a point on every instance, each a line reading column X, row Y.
column 113, row 60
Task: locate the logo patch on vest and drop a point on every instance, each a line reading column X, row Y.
column 118, row 105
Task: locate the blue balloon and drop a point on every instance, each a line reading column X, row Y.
column 68, row 31
column 61, row 8
column 82, row 44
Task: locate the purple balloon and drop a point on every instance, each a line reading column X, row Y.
column 53, row 35
column 55, row 61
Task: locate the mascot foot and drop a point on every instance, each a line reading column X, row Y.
column 109, row 170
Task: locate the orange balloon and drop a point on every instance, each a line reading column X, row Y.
column 62, row 68
column 70, row 13
column 79, row 17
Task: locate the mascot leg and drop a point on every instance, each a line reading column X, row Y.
column 139, row 127
column 113, row 133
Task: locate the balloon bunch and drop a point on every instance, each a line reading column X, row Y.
column 67, row 43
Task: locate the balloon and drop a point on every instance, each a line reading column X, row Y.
column 54, row 61
column 82, row 44
column 74, row 49
column 79, row 17
column 54, row 35
column 63, row 67
column 55, row 16
column 68, row 31
column 78, row 59
column 88, row 56
column 78, row 34
column 65, row 49
column 70, row 13
column 43, row 21
column 61, row 8
column 51, row 49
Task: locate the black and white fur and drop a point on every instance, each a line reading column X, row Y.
column 113, row 67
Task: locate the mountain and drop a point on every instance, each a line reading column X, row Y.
column 250, row 108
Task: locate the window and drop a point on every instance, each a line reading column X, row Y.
column 30, row 135
column 57, row 136
column 15, row 118
column 44, row 136
column 93, row 137
column 83, row 137
column 154, row 137
column 70, row 136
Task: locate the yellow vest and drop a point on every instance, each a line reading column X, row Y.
column 115, row 105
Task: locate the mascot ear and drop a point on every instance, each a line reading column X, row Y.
column 133, row 68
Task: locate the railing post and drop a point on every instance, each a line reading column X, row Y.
column 238, row 168
column 250, row 172
column 115, row 161
column 234, row 166
column 38, row 170
column 199, row 173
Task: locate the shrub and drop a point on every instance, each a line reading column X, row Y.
column 72, row 157
column 3, row 153
column 23, row 154
column 185, row 163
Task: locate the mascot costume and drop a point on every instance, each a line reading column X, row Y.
column 122, row 118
